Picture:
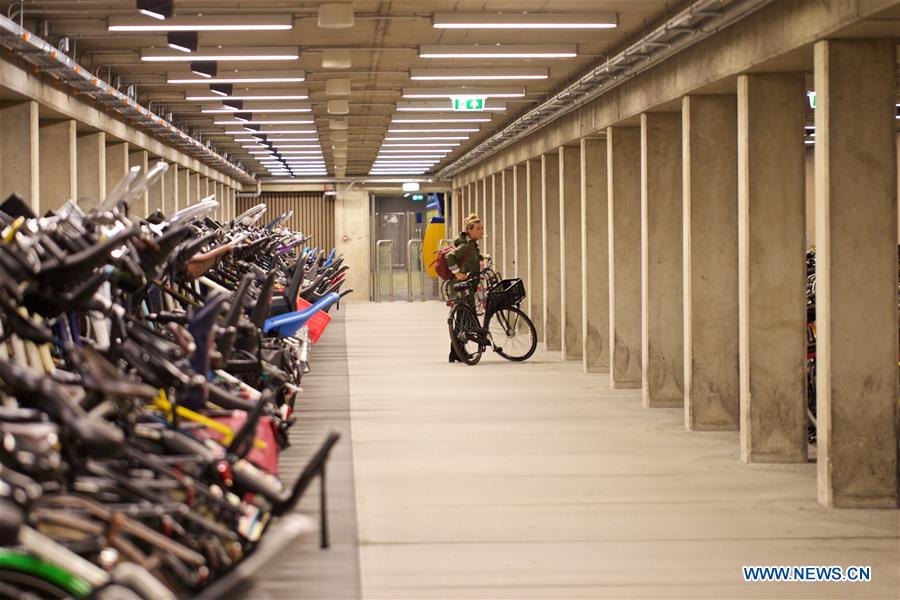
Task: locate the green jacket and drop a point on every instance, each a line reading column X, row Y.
column 465, row 257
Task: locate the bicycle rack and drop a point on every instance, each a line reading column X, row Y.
column 411, row 253
column 389, row 244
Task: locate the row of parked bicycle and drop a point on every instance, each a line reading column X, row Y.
column 149, row 375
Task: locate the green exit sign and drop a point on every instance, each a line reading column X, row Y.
column 418, row 197
column 467, row 102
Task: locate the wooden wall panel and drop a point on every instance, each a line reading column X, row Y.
column 313, row 213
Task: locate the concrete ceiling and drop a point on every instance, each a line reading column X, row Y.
column 384, row 46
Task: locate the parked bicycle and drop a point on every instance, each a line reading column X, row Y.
column 150, row 374
column 505, row 327
column 487, row 279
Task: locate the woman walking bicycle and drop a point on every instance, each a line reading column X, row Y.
column 506, row 328
column 465, row 259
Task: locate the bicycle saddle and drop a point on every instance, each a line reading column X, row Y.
column 287, row 325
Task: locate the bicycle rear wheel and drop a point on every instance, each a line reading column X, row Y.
column 463, row 325
column 513, row 333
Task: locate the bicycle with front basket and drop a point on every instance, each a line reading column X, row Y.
column 506, row 328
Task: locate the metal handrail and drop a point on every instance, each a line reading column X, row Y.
column 409, row 267
column 390, row 245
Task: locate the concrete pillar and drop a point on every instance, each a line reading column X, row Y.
column 509, row 223
column 535, row 248
column 467, row 194
column 475, row 199
column 59, row 164
column 570, row 251
column 595, row 256
column 623, row 156
column 551, row 244
column 520, row 179
column 140, row 158
column 19, row 153
column 352, row 238
column 487, row 215
column 222, row 213
column 662, row 304
column 709, row 196
column 772, row 267
column 170, row 190
column 91, row 171
column 156, row 193
column 856, row 273
column 184, row 186
column 497, row 213
column 116, row 164
column 193, row 188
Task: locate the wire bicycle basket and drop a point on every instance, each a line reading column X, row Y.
column 505, row 294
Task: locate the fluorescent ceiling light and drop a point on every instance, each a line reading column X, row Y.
column 257, row 111
column 425, row 145
column 381, row 165
column 479, row 74
column 407, row 163
column 441, row 118
column 441, row 152
column 221, row 54
column 204, row 23
column 487, row 92
column 261, row 95
column 267, row 122
column 412, row 157
column 270, row 140
column 267, row 131
column 398, row 172
column 288, row 152
column 432, row 130
column 426, row 138
column 249, row 76
column 444, row 105
column 295, row 146
column 524, row 21
column 500, row 51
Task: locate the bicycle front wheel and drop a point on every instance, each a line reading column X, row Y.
column 513, row 334
column 463, row 325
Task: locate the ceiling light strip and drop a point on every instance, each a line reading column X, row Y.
column 503, row 51
column 524, row 21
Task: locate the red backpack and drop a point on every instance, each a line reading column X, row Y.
column 440, row 263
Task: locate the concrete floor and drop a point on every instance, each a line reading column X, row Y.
column 535, row 480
